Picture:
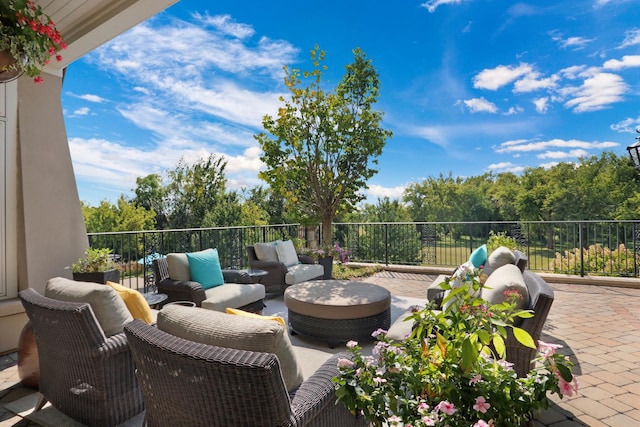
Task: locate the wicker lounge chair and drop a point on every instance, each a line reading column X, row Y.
column 188, row 383
column 276, row 279
column 84, row 374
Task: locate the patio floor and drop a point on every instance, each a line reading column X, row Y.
column 599, row 327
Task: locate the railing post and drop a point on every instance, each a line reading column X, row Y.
column 386, row 244
column 581, row 249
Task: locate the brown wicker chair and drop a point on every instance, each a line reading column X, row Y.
column 540, row 300
column 189, row 290
column 84, row 374
column 191, row 384
column 274, row 281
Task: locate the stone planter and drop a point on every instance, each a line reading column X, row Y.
column 98, row 277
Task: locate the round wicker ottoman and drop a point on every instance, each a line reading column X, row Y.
column 337, row 311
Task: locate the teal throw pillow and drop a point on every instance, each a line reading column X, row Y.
column 479, row 257
column 205, row 268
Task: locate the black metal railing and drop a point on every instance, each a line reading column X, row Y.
column 568, row 247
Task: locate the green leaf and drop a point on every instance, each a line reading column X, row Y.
column 565, row 372
column 469, row 354
column 498, row 343
column 523, row 337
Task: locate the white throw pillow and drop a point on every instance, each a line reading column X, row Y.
column 499, row 257
column 506, row 278
column 266, row 252
column 286, row 252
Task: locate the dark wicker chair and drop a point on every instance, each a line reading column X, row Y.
column 188, row 290
column 274, row 281
column 84, row 374
column 191, row 384
column 540, row 300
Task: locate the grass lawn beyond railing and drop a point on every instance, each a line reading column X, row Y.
column 568, row 247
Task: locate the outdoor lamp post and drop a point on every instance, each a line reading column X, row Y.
column 634, row 151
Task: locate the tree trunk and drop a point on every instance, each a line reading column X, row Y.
column 327, row 235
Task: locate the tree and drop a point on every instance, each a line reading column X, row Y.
column 150, row 194
column 322, row 144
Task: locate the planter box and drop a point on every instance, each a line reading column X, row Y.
column 98, row 277
column 327, row 263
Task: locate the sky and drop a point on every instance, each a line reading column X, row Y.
column 466, row 86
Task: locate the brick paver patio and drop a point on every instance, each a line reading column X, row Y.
column 599, row 327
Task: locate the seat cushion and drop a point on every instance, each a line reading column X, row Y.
column 205, row 268
column 286, row 252
column 232, row 295
column 266, row 252
column 303, row 272
column 506, row 278
column 178, row 266
column 110, row 310
column 135, row 302
column 256, row 316
column 499, row 257
column 242, row 333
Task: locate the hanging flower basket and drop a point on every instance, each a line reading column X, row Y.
column 28, row 40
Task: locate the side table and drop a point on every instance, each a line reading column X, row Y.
column 256, row 274
column 154, row 299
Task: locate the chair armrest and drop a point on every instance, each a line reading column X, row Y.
column 316, row 398
column 186, row 290
column 236, row 276
column 113, row 345
column 306, row 259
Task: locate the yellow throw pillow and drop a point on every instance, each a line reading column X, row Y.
column 256, row 316
column 135, row 302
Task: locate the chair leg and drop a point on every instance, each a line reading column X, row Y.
column 41, row 402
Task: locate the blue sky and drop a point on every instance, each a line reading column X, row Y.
column 466, row 86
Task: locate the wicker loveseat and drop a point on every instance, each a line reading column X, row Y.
column 220, row 386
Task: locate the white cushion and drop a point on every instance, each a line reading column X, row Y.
column 499, row 257
column 303, row 272
column 232, row 295
column 286, row 252
column 241, row 333
column 266, row 252
column 506, row 278
column 178, row 266
column 110, row 310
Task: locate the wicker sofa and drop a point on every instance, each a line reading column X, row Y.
column 234, row 370
column 238, row 291
column 507, row 270
column 280, row 275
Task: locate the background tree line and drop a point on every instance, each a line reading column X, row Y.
column 194, row 196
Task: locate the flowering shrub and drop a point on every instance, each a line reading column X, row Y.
column 597, row 260
column 30, row 35
column 451, row 370
column 339, row 254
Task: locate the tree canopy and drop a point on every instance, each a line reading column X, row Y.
column 321, row 146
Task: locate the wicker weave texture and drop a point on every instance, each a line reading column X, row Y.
column 84, row 374
column 188, row 383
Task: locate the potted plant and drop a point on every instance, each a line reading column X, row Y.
column 28, row 39
column 451, row 369
column 97, row 265
column 325, row 256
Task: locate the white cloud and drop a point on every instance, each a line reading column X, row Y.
column 505, row 167
column 542, row 104
column 480, row 105
column 532, row 82
column 563, row 154
column 226, row 25
column 432, row 5
column 595, row 93
column 82, row 111
column 631, row 38
column 391, row 192
column 549, row 165
column 88, row 97
column 495, row 78
column 574, row 43
column 628, row 61
column 514, row 110
column 627, row 125
column 523, row 145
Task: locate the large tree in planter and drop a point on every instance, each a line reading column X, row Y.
column 321, row 146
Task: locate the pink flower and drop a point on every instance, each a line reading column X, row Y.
column 475, row 379
column 547, row 349
column 481, row 423
column 394, row 420
column 345, row 363
column 352, row 344
column 446, row 407
column 423, row 408
column 481, row 404
column 428, row 421
column 38, row 80
column 379, row 380
column 378, row 332
column 567, row 388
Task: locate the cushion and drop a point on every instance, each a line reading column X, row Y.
column 256, row 316
column 205, row 268
column 238, row 332
column 178, row 266
column 499, row 257
column 232, row 295
column 110, row 310
column 135, row 302
column 303, row 272
column 479, row 256
column 286, row 252
column 266, row 252
column 506, row 278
